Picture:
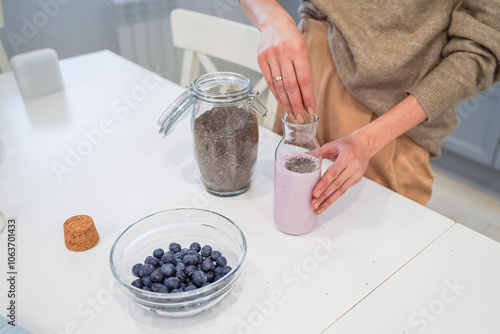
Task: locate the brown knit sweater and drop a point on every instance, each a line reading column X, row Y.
column 440, row 51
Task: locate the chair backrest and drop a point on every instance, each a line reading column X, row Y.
column 4, row 61
column 202, row 35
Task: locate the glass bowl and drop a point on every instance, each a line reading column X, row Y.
column 183, row 226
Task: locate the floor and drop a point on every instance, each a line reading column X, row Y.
column 468, row 198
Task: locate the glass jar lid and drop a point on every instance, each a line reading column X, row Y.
column 175, row 113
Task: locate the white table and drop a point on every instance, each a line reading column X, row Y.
column 290, row 285
column 451, row 287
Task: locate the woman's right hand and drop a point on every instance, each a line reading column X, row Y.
column 282, row 53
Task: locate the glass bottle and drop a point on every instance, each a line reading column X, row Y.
column 224, row 128
column 297, row 170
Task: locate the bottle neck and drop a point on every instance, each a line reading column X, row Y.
column 305, row 129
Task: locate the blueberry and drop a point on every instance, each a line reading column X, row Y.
column 168, row 269
column 215, row 255
column 221, row 261
column 193, row 252
column 158, row 287
column 207, row 265
column 146, row 270
column 205, row 284
column 147, row 281
column 199, row 278
column 217, row 277
column 218, row 271
column 146, row 288
column 138, row 283
column 190, row 270
column 190, row 288
column 153, row 261
column 190, row 260
column 172, row 283
column 226, row 270
column 174, row 247
column 157, row 276
column 176, row 290
column 195, row 246
column 181, row 276
column 179, row 258
column 206, row 250
column 135, row 269
column 168, row 258
column 180, row 267
column 158, row 253
column 210, row 276
column 200, row 259
column 184, row 251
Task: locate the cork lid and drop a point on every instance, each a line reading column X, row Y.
column 80, row 233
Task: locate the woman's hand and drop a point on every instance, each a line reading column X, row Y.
column 352, row 153
column 283, row 60
column 350, row 156
column 282, row 56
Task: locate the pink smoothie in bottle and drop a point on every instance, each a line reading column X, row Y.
column 295, row 176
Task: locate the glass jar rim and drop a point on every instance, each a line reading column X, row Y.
column 300, row 125
column 238, row 85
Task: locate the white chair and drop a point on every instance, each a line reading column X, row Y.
column 4, row 61
column 202, row 35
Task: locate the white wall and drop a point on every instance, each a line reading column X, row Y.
column 74, row 27
column 71, row 27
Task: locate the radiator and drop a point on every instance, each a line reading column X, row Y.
column 144, row 34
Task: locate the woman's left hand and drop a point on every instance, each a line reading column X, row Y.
column 352, row 153
column 350, row 158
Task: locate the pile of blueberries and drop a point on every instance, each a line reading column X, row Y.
column 180, row 269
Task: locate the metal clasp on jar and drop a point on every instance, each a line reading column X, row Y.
column 255, row 104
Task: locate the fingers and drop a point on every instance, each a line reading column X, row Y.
column 333, row 184
column 350, row 162
column 294, row 91
column 304, row 81
column 268, row 76
column 322, row 205
column 336, row 187
column 329, row 151
column 280, row 88
column 330, row 181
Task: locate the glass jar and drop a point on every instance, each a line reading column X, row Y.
column 224, row 129
column 297, row 170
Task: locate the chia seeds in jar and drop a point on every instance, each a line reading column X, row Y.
column 225, row 144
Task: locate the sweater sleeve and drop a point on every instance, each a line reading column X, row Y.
column 470, row 59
